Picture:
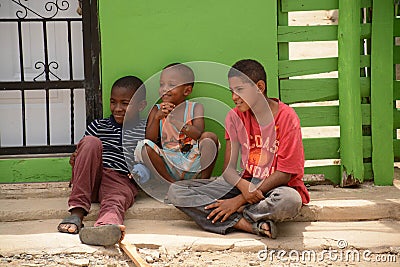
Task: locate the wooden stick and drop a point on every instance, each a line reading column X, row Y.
column 131, row 251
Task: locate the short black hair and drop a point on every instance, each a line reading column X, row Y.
column 250, row 68
column 186, row 70
column 132, row 83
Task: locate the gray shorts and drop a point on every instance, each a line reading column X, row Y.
column 191, row 196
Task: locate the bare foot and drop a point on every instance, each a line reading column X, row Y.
column 265, row 227
column 72, row 223
column 71, row 228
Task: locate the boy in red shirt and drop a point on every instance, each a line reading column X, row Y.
column 270, row 188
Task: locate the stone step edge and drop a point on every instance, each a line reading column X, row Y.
column 315, row 211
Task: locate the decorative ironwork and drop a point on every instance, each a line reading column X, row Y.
column 52, row 6
column 46, row 70
column 49, row 68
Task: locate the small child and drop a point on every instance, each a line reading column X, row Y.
column 177, row 147
column 99, row 168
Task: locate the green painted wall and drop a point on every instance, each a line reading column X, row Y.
column 35, row 170
column 141, row 37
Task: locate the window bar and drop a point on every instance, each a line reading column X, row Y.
column 71, row 73
column 23, row 107
column 46, row 71
column 47, row 115
column 72, row 106
column 22, row 77
column 71, row 77
column 46, row 56
column 21, row 54
column 87, row 51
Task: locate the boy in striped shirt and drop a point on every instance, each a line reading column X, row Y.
column 100, row 172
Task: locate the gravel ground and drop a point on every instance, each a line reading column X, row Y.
column 66, row 260
column 184, row 258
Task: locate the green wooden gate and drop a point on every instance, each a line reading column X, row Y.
column 363, row 89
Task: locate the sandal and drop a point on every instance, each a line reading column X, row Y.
column 103, row 235
column 259, row 230
column 72, row 219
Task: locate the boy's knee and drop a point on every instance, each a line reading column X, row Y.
column 180, row 195
column 210, row 136
column 173, row 193
column 90, row 141
column 291, row 201
column 289, row 195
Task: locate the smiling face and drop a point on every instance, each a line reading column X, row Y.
column 119, row 102
column 245, row 94
column 174, row 86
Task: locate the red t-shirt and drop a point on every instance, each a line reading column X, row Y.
column 264, row 149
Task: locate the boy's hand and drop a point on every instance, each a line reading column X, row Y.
column 166, row 108
column 223, row 208
column 250, row 192
column 72, row 159
column 253, row 196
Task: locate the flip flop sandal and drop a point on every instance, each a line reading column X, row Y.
column 273, row 231
column 72, row 219
column 104, row 235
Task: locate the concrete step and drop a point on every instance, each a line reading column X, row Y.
column 375, row 236
column 56, row 208
column 24, row 202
